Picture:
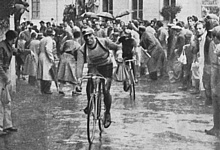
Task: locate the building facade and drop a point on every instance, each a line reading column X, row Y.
column 143, row 9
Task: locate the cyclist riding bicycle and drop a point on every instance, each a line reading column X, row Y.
column 96, row 53
column 129, row 46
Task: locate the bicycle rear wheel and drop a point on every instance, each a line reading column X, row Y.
column 132, row 86
column 91, row 119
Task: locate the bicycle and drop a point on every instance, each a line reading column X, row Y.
column 95, row 106
column 131, row 77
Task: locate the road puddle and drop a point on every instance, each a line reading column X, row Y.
column 170, row 96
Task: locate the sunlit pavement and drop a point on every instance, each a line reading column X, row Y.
column 161, row 118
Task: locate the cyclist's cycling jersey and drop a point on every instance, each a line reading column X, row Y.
column 127, row 46
column 97, row 56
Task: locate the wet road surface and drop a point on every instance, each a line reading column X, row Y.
column 161, row 118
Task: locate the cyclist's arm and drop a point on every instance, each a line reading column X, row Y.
column 114, row 47
column 80, row 62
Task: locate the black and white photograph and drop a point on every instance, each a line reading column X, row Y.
column 109, row 74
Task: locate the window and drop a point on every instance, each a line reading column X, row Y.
column 137, row 7
column 35, row 9
column 108, row 6
column 169, row 2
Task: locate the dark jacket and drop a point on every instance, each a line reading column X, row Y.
column 6, row 52
column 180, row 42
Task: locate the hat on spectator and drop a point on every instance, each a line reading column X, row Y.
column 87, row 31
column 40, row 36
column 41, row 21
column 216, row 31
column 175, row 27
column 212, row 16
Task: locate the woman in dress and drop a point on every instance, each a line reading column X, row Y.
column 67, row 65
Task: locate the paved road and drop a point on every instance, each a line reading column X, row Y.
column 161, row 118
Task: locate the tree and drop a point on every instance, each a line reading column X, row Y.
column 6, row 9
column 169, row 12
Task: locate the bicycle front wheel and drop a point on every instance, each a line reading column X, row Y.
column 91, row 119
column 132, row 86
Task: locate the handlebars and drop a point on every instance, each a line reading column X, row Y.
column 93, row 77
column 130, row 60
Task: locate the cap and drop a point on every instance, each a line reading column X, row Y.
column 212, row 16
column 87, row 31
column 215, row 31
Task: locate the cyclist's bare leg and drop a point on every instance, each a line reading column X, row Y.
column 108, row 102
column 107, row 95
column 88, row 91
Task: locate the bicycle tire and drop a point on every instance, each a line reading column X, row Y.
column 99, row 109
column 91, row 126
column 132, row 85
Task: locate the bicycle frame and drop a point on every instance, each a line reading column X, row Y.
column 98, row 83
column 131, row 78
